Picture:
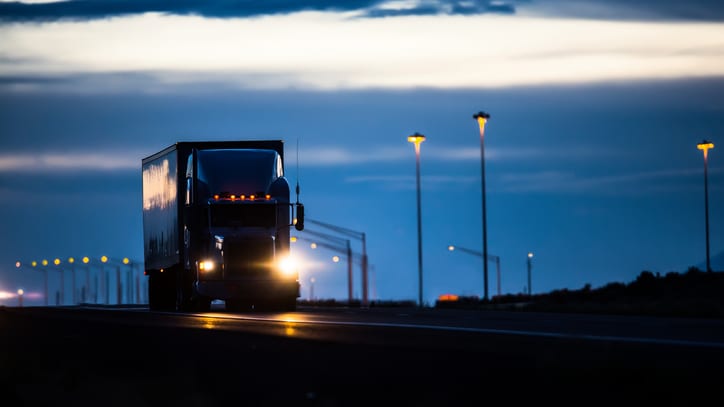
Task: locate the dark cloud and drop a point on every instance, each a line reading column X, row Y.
column 95, row 9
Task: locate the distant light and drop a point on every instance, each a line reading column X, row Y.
column 448, row 297
column 34, row 263
column 481, row 117
column 44, row 262
column 416, row 138
column 71, row 260
column 104, row 259
column 313, row 245
column 530, row 255
column 86, row 260
column 17, row 264
column 125, row 260
column 293, row 239
column 335, row 259
column 56, row 262
column 451, row 247
column 705, row 146
column 20, row 291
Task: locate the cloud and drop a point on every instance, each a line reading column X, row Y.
column 55, row 162
column 327, row 51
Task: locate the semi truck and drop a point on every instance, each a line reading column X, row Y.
column 217, row 217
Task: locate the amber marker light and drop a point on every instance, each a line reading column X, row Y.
column 86, row 260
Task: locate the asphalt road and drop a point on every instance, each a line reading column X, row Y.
column 332, row 357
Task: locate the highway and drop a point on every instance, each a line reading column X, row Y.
column 129, row 356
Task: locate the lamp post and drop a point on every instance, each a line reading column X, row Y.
column 530, row 265
column 86, row 289
column 336, row 243
column 45, row 270
column 104, row 279
column 482, row 118
column 705, row 146
column 61, row 294
column 71, row 261
column 417, row 139
column 20, row 297
column 496, row 259
column 357, row 235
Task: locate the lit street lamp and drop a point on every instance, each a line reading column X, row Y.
column 20, row 297
column 482, row 118
column 418, row 138
column 705, row 146
column 530, row 265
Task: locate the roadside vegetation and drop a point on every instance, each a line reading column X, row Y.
column 693, row 294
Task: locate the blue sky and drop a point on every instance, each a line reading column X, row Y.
column 591, row 161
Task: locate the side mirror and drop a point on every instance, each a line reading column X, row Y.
column 299, row 225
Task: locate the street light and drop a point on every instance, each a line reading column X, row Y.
column 45, row 270
column 482, row 118
column 530, row 265
column 71, row 261
column 86, row 289
column 60, row 296
column 20, row 296
column 104, row 278
column 496, row 259
column 363, row 239
column 417, row 139
column 705, row 146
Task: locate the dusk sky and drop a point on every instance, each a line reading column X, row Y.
column 591, row 149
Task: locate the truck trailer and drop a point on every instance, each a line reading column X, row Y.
column 217, row 217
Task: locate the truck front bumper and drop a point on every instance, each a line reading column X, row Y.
column 248, row 289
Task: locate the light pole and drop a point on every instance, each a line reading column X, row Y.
column 86, row 289
column 496, row 259
column 45, row 270
column 104, row 279
column 530, row 265
column 482, row 118
column 346, row 249
column 357, row 235
column 705, row 146
column 61, row 294
column 417, row 139
column 71, row 261
column 20, row 297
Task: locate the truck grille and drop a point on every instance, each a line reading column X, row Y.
column 248, row 258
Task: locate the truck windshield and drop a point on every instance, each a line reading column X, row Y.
column 243, row 214
column 237, row 171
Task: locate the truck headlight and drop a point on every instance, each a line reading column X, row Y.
column 287, row 266
column 207, row 265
